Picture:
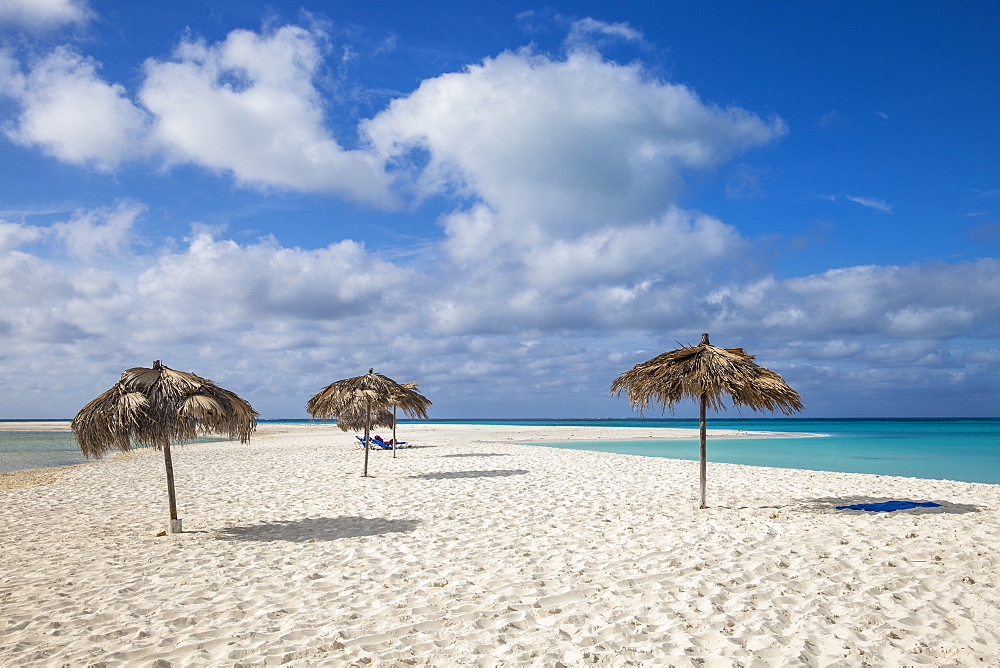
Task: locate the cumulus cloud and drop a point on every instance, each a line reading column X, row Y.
column 89, row 234
column 72, row 114
column 579, row 141
column 21, row 275
column 505, row 278
column 247, row 106
column 99, row 233
column 278, row 321
column 212, row 304
column 574, row 165
column 13, row 235
column 672, row 245
column 72, row 294
column 43, row 14
column 574, row 141
column 920, row 300
column 216, row 282
column 564, row 254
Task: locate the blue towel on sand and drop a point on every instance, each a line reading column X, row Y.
column 890, row 506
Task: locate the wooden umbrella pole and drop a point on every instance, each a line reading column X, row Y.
column 703, row 433
column 367, row 431
column 394, row 431
column 175, row 524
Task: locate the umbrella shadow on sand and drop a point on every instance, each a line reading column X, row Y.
column 446, row 475
column 317, row 528
column 479, row 454
column 830, row 503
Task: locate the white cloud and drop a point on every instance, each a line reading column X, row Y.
column 276, row 323
column 13, row 235
column 584, row 31
column 919, row 300
column 28, row 283
column 88, row 235
column 987, row 355
column 570, row 142
column 568, row 260
column 575, row 142
column 247, row 106
column 938, row 320
column 43, row 14
column 871, row 203
column 532, row 277
column 674, row 246
column 71, row 113
column 216, row 282
column 99, row 233
column 575, row 165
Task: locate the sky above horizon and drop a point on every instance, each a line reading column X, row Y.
column 512, row 203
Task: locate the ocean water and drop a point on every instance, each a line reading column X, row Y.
column 942, row 448
column 37, row 449
column 42, row 449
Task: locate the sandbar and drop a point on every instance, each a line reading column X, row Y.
column 472, row 548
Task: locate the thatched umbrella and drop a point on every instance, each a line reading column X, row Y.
column 365, row 395
column 706, row 374
column 156, row 407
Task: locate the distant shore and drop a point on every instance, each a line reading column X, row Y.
column 471, row 549
column 39, row 425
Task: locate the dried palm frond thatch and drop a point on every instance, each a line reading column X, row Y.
column 158, row 406
column 356, row 421
column 706, row 374
column 363, row 396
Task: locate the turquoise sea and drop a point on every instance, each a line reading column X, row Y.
column 37, row 449
column 943, row 448
column 42, row 449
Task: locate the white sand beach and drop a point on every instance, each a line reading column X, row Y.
column 470, row 549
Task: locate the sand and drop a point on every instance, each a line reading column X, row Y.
column 41, row 425
column 470, row 549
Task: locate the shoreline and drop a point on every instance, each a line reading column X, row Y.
column 27, row 477
column 530, row 434
column 471, row 548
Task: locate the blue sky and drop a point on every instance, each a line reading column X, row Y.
column 512, row 203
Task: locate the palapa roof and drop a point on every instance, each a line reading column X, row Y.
column 356, row 421
column 158, row 406
column 692, row 371
column 373, row 392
